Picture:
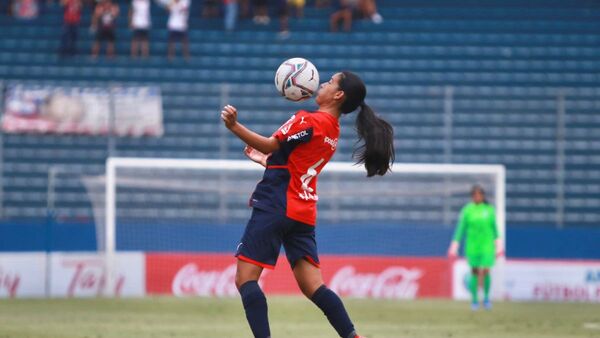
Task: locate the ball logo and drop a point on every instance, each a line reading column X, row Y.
column 395, row 282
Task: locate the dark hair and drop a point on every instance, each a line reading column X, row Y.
column 375, row 145
column 478, row 188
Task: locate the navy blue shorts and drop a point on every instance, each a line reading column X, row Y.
column 266, row 232
column 177, row 35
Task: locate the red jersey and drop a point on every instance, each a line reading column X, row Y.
column 307, row 140
column 72, row 12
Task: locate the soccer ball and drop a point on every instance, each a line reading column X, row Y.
column 297, row 79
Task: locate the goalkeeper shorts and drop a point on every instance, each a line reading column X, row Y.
column 481, row 260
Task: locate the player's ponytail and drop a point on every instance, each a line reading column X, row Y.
column 375, row 146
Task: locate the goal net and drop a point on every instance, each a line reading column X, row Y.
column 382, row 237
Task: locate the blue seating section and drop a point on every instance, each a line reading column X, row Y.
column 508, row 66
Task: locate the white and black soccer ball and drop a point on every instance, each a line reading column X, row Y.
column 297, row 79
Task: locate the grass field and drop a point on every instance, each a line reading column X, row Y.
column 290, row 317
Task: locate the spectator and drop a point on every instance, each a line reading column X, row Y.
column 282, row 12
column 140, row 22
column 6, row 7
column 210, row 9
column 342, row 12
column 178, row 27
column 71, row 21
column 322, row 3
column 103, row 23
column 231, row 14
column 261, row 12
column 25, row 9
column 368, row 8
column 244, row 7
column 298, row 7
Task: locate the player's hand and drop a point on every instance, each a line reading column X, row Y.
column 256, row 156
column 229, row 116
column 499, row 249
column 453, row 249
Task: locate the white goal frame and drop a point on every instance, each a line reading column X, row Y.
column 112, row 163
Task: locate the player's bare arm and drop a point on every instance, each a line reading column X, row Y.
column 265, row 145
column 256, row 155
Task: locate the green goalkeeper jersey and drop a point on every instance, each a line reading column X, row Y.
column 477, row 223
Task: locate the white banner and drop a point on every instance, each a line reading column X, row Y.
column 83, row 275
column 22, row 274
column 83, row 110
column 560, row 281
column 537, row 280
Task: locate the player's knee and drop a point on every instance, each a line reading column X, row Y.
column 240, row 280
column 308, row 288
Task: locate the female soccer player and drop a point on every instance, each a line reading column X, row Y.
column 478, row 222
column 284, row 202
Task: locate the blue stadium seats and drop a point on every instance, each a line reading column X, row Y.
column 504, row 65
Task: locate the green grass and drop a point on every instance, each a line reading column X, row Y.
column 290, row 317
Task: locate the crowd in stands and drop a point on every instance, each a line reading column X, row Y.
column 105, row 14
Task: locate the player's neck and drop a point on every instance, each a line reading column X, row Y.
column 331, row 111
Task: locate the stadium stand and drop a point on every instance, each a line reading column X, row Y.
column 506, row 74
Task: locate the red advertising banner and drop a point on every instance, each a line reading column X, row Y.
column 352, row 276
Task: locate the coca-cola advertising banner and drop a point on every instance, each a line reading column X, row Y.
column 352, row 276
column 22, row 274
column 84, row 275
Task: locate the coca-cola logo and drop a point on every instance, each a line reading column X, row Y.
column 9, row 282
column 190, row 280
column 395, row 282
column 89, row 277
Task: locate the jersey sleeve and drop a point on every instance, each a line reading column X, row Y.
column 494, row 225
column 459, row 232
column 297, row 129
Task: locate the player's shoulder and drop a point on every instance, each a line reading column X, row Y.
column 302, row 112
column 304, row 116
column 468, row 207
column 490, row 206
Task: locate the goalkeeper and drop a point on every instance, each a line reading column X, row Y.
column 477, row 223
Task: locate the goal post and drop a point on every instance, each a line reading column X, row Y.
column 200, row 205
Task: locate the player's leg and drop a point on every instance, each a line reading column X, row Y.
column 474, row 260
column 474, row 287
column 253, row 298
column 310, row 281
column 486, row 264
column 487, row 283
column 258, row 249
column 301, row 250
